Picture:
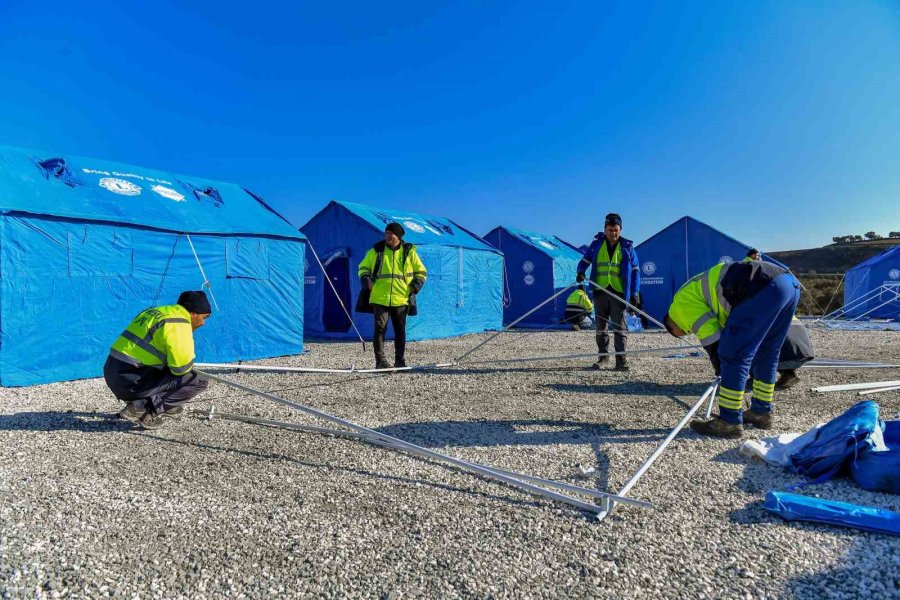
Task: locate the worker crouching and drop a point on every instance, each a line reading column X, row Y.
column 150, row 366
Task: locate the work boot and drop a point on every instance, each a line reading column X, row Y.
column 716, row 427
column 761, row 420
column 175, row 411
column 576, row 327
column 380, row 363
column 140, row 417
column 400, row 363
column 787, row 380
column 621, row 363
column 602, row 360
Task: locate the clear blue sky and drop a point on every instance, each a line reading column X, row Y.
column 776, row 122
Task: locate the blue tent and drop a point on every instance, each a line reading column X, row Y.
column 537, row 266
column 677, row 253
column 87, row 244
column 463, row 293
column 872, row 288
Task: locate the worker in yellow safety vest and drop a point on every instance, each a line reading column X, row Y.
column 752, row 254
column 740, row 312
column 391, row 274
column 578, row 308
column 150, row 365
column 615, row 269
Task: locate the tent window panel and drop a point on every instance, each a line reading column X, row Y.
column 246, row 259
column 98, row 251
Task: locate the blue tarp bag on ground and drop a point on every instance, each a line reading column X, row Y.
column 878, row 469
column 838, row 440
column 794, row 507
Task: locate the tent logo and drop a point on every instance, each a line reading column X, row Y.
column 413, row 226
column 726, row 259
column 894, row 273
column 529, row 280
column 168, row 193
column 649, row 267
column 120, row 186
column 528, row 267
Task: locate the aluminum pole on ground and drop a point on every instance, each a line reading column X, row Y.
column 461, row 464
column 659, row 450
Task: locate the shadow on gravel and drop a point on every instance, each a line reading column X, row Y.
column 634, row 388
column 328, row 467
column 63, row 421
column 528, row 432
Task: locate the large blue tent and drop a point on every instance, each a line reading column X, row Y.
column 463, row 293
column 678, row 252
column 872, row 288
column 537, row 266
column 86, row 244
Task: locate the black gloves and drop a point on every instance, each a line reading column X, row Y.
column 413, row 288
column 636, row 301
column 579, row 278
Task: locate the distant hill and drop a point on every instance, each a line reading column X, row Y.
column 834, row 258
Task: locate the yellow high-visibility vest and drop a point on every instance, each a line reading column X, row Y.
column 158, row 337
column 607, row 273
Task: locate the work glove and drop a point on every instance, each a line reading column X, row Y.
column 413, row 289
column 366, row 282
column 636, row 301
column 579, row 278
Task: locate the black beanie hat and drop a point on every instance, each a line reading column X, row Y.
column 613, row 219
column 195, row 302
column 396, row 229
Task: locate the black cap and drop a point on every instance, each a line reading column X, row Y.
column 613, row 219
column 195, row 302
column 396, row 229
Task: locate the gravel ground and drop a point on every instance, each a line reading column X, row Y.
column 90, row 507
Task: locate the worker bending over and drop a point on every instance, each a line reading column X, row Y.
column 747, row 308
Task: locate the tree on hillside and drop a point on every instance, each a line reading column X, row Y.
column 894, row 234
column 842, row 239
column 871, row 235
column 857, row 238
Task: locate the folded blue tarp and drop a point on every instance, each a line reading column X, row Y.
column 840, row 439
column 878, row 469
column 794, row 507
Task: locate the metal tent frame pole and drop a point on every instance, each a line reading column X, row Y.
column 517, row 321
column 379, row 441
column 274, row 368
column 609, row 504
column 202, row 272
column 413, row 449
column 336, row 295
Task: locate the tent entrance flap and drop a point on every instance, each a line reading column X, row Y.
column 337, row 269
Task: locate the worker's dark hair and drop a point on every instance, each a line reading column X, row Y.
column 751, row 252
column 668, row 322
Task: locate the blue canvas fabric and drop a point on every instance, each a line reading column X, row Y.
column 536, row 266
column 86, row 244
column 794, row 507
column 878, row 469
column 862, row 281
column 838, row 442
column 678, row 252
column 463, row 293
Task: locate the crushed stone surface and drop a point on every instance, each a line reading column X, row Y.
column 92, row 507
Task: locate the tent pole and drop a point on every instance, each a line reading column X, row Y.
column 406, row 446
column 710, row 391
column 378, row 441
column 336, row 295
column 517, row 321
column 202, row 272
